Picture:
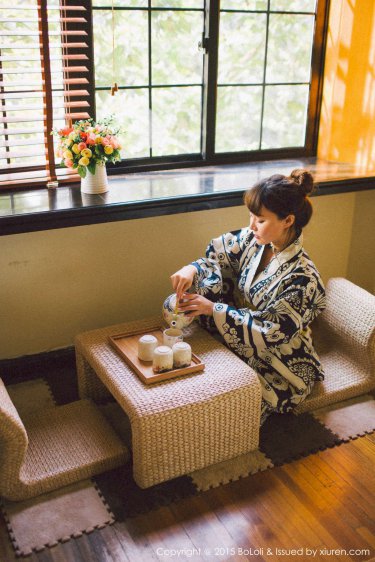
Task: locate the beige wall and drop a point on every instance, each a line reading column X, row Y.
column 58, row 283
column 361, row 266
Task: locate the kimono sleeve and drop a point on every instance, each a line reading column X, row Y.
column 298, row 301
column 217, row 271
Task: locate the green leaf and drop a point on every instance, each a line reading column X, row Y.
column 92, row 167
column 82, row 171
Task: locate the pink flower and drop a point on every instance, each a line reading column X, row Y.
column 114, row 142
column 106, row 141
column 68, row 163
column 82, row 146
column 90, row 139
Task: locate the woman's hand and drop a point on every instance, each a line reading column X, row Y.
column 182, row 280
column 194, row 305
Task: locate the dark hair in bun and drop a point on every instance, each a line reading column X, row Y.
column 304, row 179
column 283, row 195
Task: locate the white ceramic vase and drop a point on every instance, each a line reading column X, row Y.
column 95, row 183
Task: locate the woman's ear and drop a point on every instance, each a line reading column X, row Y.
column 289, row 221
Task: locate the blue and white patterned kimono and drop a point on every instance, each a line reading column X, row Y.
column 265, row 319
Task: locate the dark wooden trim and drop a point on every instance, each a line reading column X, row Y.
column 211, row 44
column 317, row 76
column 195, row 160
column 47, row 90
column 103, row 213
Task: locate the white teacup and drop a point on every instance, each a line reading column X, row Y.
column 181, row 354
column 172, row 336
column 146, row 347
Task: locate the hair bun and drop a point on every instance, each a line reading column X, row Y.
column 303, row 179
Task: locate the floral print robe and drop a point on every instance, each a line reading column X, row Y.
column 265, row 319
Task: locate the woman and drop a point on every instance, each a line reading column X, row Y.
column 258, row 287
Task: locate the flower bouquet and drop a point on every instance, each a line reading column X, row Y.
column 87, row 144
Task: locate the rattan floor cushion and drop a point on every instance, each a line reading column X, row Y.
column 57, row 516
column 53, row 447
column 283, row 438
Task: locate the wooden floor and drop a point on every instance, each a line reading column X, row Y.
column 325, row 503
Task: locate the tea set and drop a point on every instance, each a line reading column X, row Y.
column 174, row 353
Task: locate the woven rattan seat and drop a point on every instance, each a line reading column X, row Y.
column 344, row 336
column 54, row 447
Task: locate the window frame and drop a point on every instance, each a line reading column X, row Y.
column 208, row 157
column 209, row 100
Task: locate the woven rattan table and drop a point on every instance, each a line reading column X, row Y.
column 180, row 425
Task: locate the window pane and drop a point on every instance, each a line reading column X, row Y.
column 241, row 54
column 293, row 5
column 175, row 55
column 238, row 118
column 131, row 44
column 130, row 108
column 121, row 3
column 176, row 120
column 243, row 5
column 178, row 3
column 289, row 48
column 285, row 112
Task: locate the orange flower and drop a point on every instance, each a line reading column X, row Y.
column 65, row 132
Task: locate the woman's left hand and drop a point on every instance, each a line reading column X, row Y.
column 194, row 305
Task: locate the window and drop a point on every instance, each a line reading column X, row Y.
column 44, row 79
column 159, row 71
column 247, row 93
column 264, row 74
column 199, row 81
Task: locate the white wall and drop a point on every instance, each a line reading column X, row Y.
column 58, row 283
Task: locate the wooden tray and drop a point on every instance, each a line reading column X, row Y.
column 126, row 346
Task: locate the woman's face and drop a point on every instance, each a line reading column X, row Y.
column 267, row 227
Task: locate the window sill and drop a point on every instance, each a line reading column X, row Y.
column 150, row 194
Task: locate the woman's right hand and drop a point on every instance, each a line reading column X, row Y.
column 182, row 280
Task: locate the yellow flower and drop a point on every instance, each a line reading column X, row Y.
column 75, row 149
column 98, row 140
column 86, row 152
column 108, row 149
column 83, row 161
column 67, row 154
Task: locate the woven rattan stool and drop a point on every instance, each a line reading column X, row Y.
column 344, row 336
column 180, row 425
column 54, row 447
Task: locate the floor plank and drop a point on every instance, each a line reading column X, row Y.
column 324, row 502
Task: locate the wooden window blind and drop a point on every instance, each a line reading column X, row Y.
column 44, row 78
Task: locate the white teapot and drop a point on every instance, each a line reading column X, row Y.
column 174, row 319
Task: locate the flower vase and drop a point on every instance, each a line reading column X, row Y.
column 95, row 183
